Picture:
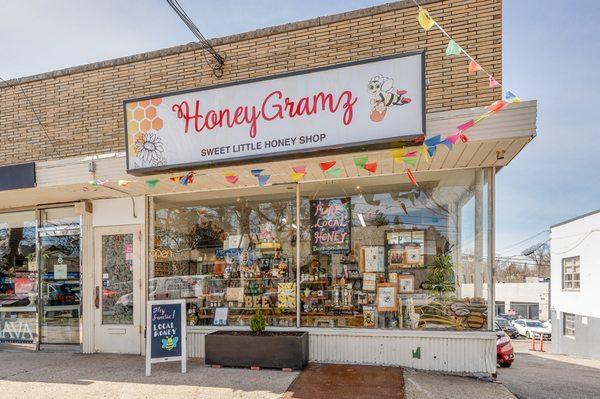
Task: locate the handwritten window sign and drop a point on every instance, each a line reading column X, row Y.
column 330, row 225
column 165, row 333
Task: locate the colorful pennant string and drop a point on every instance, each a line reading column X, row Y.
column 425, row 19
column 184, row 179
column 424, row 151
column 465, row 126
column 497, row 105
column 512, row 97
column 410, row 161
column 453, row 48
column 326, row 165
column 256, row 172
column 152, row 183
column 231, row 177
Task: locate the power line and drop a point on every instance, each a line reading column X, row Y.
column 524, row 241
column 218, row 69
column 31, row 107
column 578, row 243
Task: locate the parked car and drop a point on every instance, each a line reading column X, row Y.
column 505, row 354
column 531, row 328
column 507, row 327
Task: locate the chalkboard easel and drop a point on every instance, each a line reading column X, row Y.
column 166, row 333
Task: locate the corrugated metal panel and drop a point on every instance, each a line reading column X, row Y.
column 452, row 352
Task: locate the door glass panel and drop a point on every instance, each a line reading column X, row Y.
column 18, row 278
column 60, row 280
column 117, row 279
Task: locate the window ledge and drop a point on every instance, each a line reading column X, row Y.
column 362, row 332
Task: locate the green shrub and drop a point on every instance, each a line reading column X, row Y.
column 258, row 322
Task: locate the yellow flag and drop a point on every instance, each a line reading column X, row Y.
column 425, row 19
column 424, row 150
column 398, row 152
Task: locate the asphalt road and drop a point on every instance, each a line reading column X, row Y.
column 534, row 377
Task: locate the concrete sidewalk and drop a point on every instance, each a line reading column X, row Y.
column 63, row 375
column 69, row 375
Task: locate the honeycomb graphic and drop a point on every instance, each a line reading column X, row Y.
column 142, row 118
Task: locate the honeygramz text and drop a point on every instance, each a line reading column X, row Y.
column 274, row 106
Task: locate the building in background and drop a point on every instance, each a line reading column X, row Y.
column 270, row 186
column 575, row 245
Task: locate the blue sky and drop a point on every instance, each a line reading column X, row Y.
column 551, row 54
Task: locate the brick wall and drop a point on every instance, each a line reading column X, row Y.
column 81, row 107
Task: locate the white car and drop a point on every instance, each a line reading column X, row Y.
column 531, row 328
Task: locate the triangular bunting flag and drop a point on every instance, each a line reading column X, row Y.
column 334, row 172
column 424, row 151
column 433, row 141
column 493, row 83
column 411, row 177
column 453, row 138
column 262, row 180
column 474, row 66
column 297, row 176
column 256, row 172
column 512, row 97
column 453, row 48
column 371, row 167
column 497, row 105
column 152, row 183
column 431, row 151
column 410, row 161
column 410, row 154
column 187, row 179
column 124, row 183
column 398, row 153
column 232, row 179
column 448, row 143
column 425, row 19
column 326, row 165
column 361, row 161
column 465, row 126
column 299, row 169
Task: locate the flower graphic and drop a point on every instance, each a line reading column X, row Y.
column 150, row 149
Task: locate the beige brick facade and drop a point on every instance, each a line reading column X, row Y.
column 81, row 107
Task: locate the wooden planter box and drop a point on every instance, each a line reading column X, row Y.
column 272, row 349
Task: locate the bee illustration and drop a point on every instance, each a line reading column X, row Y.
column 381, row 89
column 170, row 343
column 473, row 315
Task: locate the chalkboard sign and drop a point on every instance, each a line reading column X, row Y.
column 165, row 333
column 331, row 222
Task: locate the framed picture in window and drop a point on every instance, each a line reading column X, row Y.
column 406, row 283
column 220, row 317
column 369, row 316
column 387, row 297
column 374, row 259
column 369, row 281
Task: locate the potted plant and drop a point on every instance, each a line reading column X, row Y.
column 257, row 347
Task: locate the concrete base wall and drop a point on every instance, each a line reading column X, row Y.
column 586, row 342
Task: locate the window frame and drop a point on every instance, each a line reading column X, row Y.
column 569, row 331
column 571, row 281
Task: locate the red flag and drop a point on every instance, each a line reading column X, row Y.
column 411, row 177
column 371, row 167
column 326, row 165
column 474, row 66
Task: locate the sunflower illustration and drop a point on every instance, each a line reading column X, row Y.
column 150, row 149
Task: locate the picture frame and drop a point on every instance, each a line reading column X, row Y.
column 387, row 297
column 374, row 259
column 369, row 316
column 220, row 316
column 406, row 283
column 369, row 282
column 395, row 258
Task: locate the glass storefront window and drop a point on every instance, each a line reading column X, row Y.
column 228, row 257
column 375, row 252
column 18, row 278
column 380, row 253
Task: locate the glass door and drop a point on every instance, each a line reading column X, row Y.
column 60, row 276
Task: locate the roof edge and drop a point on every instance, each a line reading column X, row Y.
column 261, row 32
column 575, row 218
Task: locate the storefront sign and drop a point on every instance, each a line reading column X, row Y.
column 367, row 104
column 165, row 333
column 13, row 177
column 331, row 222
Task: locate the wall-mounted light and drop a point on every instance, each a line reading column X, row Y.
column 500, row 154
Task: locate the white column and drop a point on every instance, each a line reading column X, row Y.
column 87, row 281
column 479, row 234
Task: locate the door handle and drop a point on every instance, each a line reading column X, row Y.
column 97, row 298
